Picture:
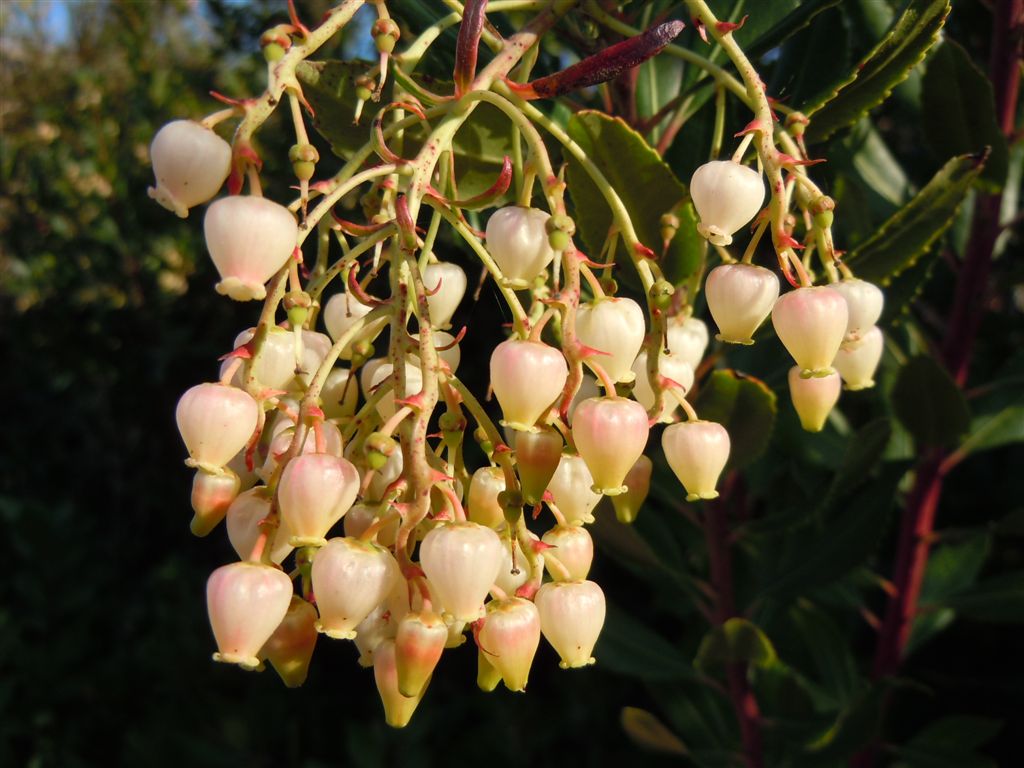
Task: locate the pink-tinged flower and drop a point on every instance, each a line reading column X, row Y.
column 616, row 327
column 461, row 560
column 697, row 451
column 509, row 638
column 610, row 434
column 573, row 548
column 813, row 397
column 190, row 163
column 527, row 377
column 727, row 196
column 215, row 423
column 740, row 296
column 350, row 578
column 246, row 603
column 811, row 324
column 315, row 492
column 571, row 617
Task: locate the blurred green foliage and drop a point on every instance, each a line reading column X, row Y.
column 107, row 315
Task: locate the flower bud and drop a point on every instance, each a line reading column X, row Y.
column 249, row 238
column 616, row 327
column 419, row 642
column 687, row 339
column 811, row 323
column 315, row 491
column 290, row 649
column 571, row 617
column 462, row 561
column 858, row 360
column 572, row 489
column 864, row 303
column 244, row 516
column 727, row 195
column 350, row 578
column 487, row 677
column 246, row 603
column 398, row 709
column 670, row 366
column 537, row 456
column 574, row 550
column 482, row 502
column 697, row 451
column 638, row 484
column 509, row 638
column 215, row 423
column 518, row 241
column 740, row 296
column 212, row 494
column 814, row 397
column 445, row 284
column 527, row 377
column 610, row 434
column 190, row 163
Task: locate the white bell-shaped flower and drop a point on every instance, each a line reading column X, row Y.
column 588, row 389
column 517, row 238
column 284, row 433
column 461, row 560
column 341, row 312
column 340, row 394
column 864, row 303
column 687, row 339
column 445, row 284
column 811, row 324
column 350, row 578
column 616, row 327
column 813, row 397
column 572, row 489
column 249, row 239
column 610, row 434
column 510, row 636
column 282, row 363
column 246, row 602
column 527, row 378
column 697, row 451
column 482, row 505
column 243, row 523
column 190, row 163
column 671, row 366
column 215, row 423
column 858, row 360
column 571, row 617
column 573, row 547
column 727, row 195
column 315, row 492
column 740, row 296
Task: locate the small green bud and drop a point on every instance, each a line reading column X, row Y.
column 558, row 241
column 561, row 223
column 822, row 210
column 385, row 35
column 363, row 348
column 451, row 421
column 661, row 294
column 364, row 87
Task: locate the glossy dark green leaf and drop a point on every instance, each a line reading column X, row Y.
column 959, row 113
column 480, row 145
column 745, row 406
column 909, row 232
column 999, row 599
column 645, row 183
column 829, row 651
column 950, row 742
column 630, row 648
column 852, row 534
column 856, row 726
column 952, row 567
column 773, row 23
column 993, row 430
column 874, row 77
column 735, row 641
column 863, row 452
column 929, row 404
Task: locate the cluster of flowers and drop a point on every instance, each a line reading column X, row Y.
column 292, row 448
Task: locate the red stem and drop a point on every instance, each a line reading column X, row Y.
column 748, row 714
column 968, row 309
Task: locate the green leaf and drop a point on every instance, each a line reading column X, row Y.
column 645, row 183
column 909, row 232
column 872, row 80
column 952, row 567
column 959, row 111
column 855, row 726
column 848, row 539
column 828, row 650
column 929, row 404
column 999, row 599
column 647, row 731
column 745, row 406
column 735, row 641
column 480, row 145
column 863, row 452
column 950, row 742
column 630, row 648
column 993, row 430
column 768, row 28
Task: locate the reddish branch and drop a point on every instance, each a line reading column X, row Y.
column 716, row 532
column 968, row 308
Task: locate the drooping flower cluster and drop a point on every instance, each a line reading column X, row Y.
column 341, row 473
